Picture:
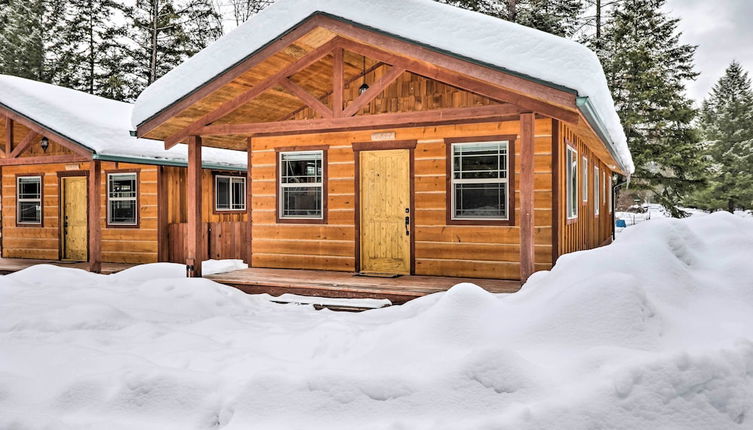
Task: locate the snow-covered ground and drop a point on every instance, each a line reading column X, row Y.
column 651, row 211
column 652, row 332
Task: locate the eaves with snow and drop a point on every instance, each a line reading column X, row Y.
column 509, row 47
column 99, row 125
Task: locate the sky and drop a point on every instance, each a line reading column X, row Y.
column 722, row 30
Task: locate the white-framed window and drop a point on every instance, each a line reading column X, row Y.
column 597, row 191
column 571, row 166
column 29, row 200
column 122, row 199
column 609, row 192
column 301, row 187
column 479, row 181
column 229, row 193
column 584, row 179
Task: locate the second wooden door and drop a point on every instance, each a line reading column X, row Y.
column 385, row 211
column 74, row 234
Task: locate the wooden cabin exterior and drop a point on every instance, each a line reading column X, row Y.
column 369, row 153
column 50, row 195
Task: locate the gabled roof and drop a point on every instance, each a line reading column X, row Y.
column 100, row 125
column 525, row 52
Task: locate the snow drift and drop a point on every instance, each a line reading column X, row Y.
column 654, row 331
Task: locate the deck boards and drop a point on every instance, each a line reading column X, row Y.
column 347, row 285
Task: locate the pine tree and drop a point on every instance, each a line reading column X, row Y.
column 28, row 38
column 245, row 9
column 559, row 17
column 163, row 34
column 726, row 124
column 646, row 68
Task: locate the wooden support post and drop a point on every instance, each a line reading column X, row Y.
column 526, row 195
column 194, row 245
column 94, row 222
column 249, row 207
column 163, row 246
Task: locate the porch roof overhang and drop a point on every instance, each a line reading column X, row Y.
column 158, row 105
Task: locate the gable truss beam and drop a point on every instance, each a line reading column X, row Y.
column 8, row 135
column 279, row 78
column 461, row 81
column 43, row 131
column 373, row 91
column 307, row 98
column 31, row 137
column 405, row 119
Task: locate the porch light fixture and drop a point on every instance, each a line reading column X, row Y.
column 44, row 143
column 364, row 86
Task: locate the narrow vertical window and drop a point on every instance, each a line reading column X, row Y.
column 479, row 180
column 584, row 190
column 29, row 199
column 122, row 199
column 301, row 185
column 597, row 191
column 571, row 166
column 229, row 193
column 609, row 192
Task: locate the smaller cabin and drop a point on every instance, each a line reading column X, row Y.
column 68, row 158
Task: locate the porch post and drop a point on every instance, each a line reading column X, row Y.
column 95, row 214
column 249, row 210
column 194, row 245
column 526, row 195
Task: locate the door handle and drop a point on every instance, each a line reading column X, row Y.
column 407, row 225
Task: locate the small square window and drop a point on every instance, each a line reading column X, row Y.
column 122, row 199
column 230, row 193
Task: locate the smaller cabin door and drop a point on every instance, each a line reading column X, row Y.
column 74, row 218
column 385, row 211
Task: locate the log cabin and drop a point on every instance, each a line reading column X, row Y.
column 67, row 158
column 391, row 138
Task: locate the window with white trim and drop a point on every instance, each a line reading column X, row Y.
column 584, row 190
column 480, row 187
column 571, row 166
column 609, row 192
column 229, row 193
column 29, row 199
column 597, row 191
column 301, row 184
column 122, row 198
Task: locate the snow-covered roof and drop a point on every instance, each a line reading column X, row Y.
column 512, row 47
column 98, row 124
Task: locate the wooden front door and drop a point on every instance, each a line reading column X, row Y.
column 385, row 211
column 74, row 226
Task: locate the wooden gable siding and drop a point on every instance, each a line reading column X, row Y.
column 119, row 245
column 587, row 230
column 440, row 249
column 19, row 134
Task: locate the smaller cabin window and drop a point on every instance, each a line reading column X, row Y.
column 122, row 199
column 584, row 166
column 29, row 198
column 229, row 193
column 479, row 180
column 301, row 185
column 597, row 191
column 571, row 164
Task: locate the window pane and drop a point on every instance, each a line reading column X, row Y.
column 122, row 186
column 304, row 167
column 29, row 188
column 223, row 193
column 302, row 201
column 123, row 212
column 480, row 200
column 30, row 212
column 480, row 160
column 239, row 194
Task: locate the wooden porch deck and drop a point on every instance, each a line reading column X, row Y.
column 348, row 285
column 10, row 265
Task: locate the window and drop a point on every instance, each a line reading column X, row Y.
column 585, row 179
column 122, row 205
column 29, row 198
column 479, row 180
column 571, row 164
column 301, row 184
column 229, row 193
column 609, row 192
column 597, row 189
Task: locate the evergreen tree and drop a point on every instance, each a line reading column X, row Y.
column 164, row 33
column 28, row 38
column 245, row 9
column 646, row 67
column 560, row 17
column 727, row 126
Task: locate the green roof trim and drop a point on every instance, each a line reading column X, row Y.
column 588, row 111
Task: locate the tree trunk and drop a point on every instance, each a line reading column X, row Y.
column 598, row 23
column 731, row 206
column 92, row 51
column 153, row 56
column 512, row 10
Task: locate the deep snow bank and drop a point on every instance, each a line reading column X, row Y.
column 654, row 331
